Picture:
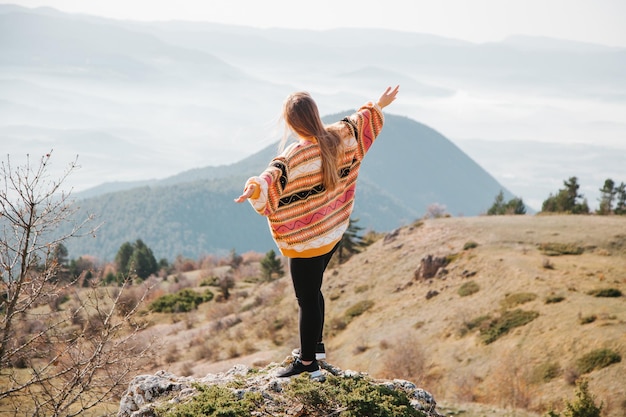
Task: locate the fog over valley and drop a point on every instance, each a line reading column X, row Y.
column 139, row 100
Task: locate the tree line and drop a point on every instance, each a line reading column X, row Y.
column 569, row 200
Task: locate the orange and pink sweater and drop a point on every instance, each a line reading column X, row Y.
column 305, row 219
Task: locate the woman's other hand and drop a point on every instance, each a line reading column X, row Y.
column 388, row 96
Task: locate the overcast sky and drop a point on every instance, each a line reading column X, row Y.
column 597, row 21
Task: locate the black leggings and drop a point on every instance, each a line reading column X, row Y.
column 307, row 274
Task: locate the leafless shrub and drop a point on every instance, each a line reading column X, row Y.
column 181, row 282
column 269, row 326
column 250, row 272
column 464, row 387
column 182, row 264
column 405, row 359
column 547, row 263
column 172, row 354
column 225, row 284
column 252, row 257
column 240, row 334
column 219, row 310
column 207, row 262
column 436, row 211
column 128, row 301
column 186, row 369
column 190, row 321
column 73, row 365
column 571, row 375
column 510, row 383
column 249, row 347
column 360, row 348
column 233, row 351
column 206, row 351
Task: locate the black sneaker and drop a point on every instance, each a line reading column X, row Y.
column 320, row 352
column 297, row 367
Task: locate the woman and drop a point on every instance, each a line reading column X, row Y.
column 307, row 194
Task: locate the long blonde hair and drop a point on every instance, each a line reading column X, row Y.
column 302, row 116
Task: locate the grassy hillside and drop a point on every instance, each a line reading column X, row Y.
column 384, row 320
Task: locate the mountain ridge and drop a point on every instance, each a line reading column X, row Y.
column 193, row 213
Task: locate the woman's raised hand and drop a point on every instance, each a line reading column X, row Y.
column 388, row 96
column 247, row 193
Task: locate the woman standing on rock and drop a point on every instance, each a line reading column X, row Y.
column 307, row 194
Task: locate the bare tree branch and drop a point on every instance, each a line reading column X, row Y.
column 56, row 362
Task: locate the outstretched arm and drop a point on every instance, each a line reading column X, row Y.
column 247, row 193
column 388, row 96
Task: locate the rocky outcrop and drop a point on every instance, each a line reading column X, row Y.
column 431, row 266
column 146, row 393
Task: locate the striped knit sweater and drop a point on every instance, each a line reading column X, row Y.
column 305, row 219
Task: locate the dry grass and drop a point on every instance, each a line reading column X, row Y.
column 510, row 272
column 530, row 367
column 397, row 332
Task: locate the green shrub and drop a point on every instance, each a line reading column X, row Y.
column 512, row 300
column 418, row 223
column 215, row 401
column 451, row 258
column 356, row 397
column 588, row 319
column 473, row 324
column 361, row 288
column 556, row 249
column 338, row 396
column 477, row 322
column 340, row 323
column 605, row 292
column 183, row 301
column 554, row 299
column 584, row 406
column 468, row 288
column 470, row 245
column 597, row 359
column 358, row 309
column 500, row 326
column 212, row 281
column 545, row 372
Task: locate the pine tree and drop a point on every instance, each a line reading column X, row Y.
column 122, row 258
column 513, row 206
column 607, row 197
column 570, row 194
column 143, row 261
column 137, row 259
column 498, row 205
column 566, row 200
column 235, row 260
column 585, row 405
column 59, row 255
column 620, row 204
column 351, row 241
column 516, row 206
column 271, row 265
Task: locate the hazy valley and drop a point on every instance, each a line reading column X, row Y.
column 142, row 101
